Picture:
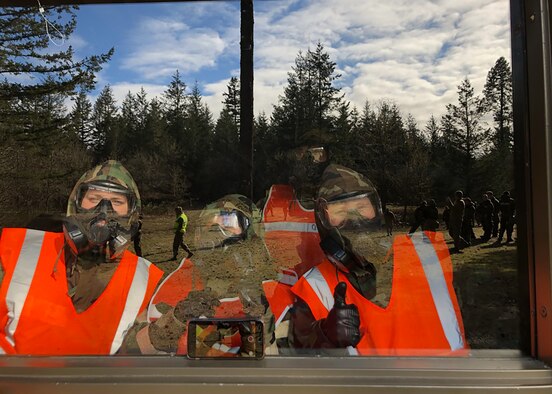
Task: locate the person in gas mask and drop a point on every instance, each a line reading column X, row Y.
column 77, row 292
column 341, row 304
column 221, row 280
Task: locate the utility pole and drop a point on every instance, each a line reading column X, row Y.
column 246, row 96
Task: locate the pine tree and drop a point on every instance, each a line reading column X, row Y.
column 105, row 135
column 198, row 135
column 80, row 116
column 497, row 166
column 232, row 100
column 498, row 101
column 464, row 131
column 307, row 106
column 174, row 103
column 24, row 52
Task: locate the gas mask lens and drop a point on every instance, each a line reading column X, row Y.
column 353, row 212
column 223, row 227
column 104, row 198
column 229, row 223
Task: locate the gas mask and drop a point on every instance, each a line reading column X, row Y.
column 348, row 222
column 102, row 213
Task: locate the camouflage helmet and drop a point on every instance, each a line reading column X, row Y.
column 340, row 182
column 110, row 172
column 245, row 214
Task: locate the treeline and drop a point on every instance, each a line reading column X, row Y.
column 177, row 152
column 468, row 148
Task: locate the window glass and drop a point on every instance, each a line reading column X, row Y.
column 373, row 212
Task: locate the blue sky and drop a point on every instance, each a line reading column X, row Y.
column 413, row 52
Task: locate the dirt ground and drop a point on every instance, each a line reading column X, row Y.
column 485, row 277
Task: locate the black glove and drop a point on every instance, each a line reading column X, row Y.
column 342, row 325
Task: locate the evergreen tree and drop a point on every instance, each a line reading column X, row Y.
column 464, row 132
column 412, row 182
column 105, row 135
column 381, row 148
column 309, row 99
column 128, row 122
column 305, row 114
column 198, row 135
column 24, row 51
column 498, row 101
column 174, row 103
column 496, row 167
column 80, row 117
column 134, row 135
column 232, row 100
column 439, row 167
column 155, row 125
column 262, row 154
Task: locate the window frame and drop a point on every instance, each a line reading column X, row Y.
column 508, row 370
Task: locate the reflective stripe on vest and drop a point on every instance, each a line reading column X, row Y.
column 21, row 280
column 439, row 290
column 291, row 226
column 436, row 281
column 134, row 300
column 316, row 280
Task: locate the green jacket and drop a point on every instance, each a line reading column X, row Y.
column 177, row 227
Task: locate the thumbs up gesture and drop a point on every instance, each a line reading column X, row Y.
column 342, row 325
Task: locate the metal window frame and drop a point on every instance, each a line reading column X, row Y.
column 485, row 371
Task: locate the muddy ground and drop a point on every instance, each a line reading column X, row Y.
column 485, row 276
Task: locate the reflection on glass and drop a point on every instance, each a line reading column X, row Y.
column 428, row 123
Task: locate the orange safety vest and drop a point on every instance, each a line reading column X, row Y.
column 290, row 231
column 175, row 287
column 292, row 239
column 422, row 317
column 37, row 315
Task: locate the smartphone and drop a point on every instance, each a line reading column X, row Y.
column 225, row 338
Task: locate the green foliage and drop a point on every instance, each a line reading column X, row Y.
column 464, row 133
column 24, row 53
column 176, row 152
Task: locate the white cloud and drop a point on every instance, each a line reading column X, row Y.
column 415, row 53
column 166, row 45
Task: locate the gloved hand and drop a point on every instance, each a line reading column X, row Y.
column 342, row 325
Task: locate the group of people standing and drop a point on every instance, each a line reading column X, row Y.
column 496, row 216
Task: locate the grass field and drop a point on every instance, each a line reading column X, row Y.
column 485, row 276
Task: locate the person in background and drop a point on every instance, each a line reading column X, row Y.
column 431, row 222
column 419, row 216
column 496, row 212
column 468, row 221
column 485, row 212
column 180, row 225
column 455, row 222
column 390, row 220
column 79, row 291
column 507, row 217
